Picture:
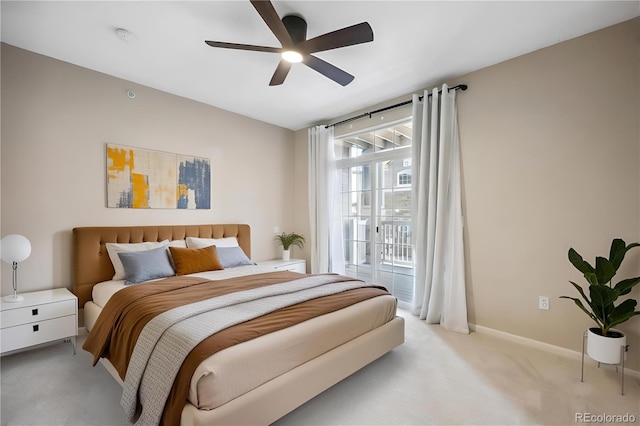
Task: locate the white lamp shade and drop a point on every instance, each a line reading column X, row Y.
column 15, row 248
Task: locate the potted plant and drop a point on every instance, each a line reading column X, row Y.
column 604, row 342
column 287, row 240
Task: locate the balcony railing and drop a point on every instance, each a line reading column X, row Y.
column 397, row 247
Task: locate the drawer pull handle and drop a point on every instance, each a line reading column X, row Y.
column 34, row 312
column 36, row 327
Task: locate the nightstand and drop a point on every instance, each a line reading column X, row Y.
column 295, row 265
column 43, row 316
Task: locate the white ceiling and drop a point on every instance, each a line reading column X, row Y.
column 416, row 44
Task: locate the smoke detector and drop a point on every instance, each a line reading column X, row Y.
column 125, row 35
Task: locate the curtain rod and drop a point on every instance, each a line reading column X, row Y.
column 462, row 87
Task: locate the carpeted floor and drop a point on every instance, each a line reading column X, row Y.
column 434, row 378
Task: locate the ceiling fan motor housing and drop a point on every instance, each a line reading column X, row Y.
column 296, row 27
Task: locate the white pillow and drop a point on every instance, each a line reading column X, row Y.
column 178, row 243
column 193, row 242
column 114, row 248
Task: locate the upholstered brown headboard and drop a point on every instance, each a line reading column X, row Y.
column 91, row 263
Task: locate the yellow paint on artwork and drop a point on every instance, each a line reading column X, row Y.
column 183, row 190
column 117, row 160
column 140, row 191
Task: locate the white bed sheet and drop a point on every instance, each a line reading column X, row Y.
column 103, row 291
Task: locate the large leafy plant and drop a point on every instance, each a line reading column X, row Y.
column 600, row 305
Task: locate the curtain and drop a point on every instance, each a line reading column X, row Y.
column 324, row 207
column 437, row 213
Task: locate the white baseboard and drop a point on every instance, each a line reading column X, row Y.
column 541, row 345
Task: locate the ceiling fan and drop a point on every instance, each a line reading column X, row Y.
column 291, row 32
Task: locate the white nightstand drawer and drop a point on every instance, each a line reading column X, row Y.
column 294, row 265
column 35, row 333
column 35, row 313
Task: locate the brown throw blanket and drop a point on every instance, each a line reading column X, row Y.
column 129, row 310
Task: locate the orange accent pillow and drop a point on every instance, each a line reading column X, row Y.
column 190, row 260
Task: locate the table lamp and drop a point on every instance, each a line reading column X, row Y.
column 14, row 248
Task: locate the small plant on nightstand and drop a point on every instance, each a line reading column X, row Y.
column 287, row 240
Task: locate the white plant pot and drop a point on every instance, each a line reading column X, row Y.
column 286, row 254
column 605, row 349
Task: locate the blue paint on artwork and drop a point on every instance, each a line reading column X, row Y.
column 196, row 176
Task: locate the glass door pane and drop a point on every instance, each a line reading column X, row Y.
column 356, row 221
column 393, row 265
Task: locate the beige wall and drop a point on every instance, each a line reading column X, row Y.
column 550, row 149
column 551, row 160
column 56, row 120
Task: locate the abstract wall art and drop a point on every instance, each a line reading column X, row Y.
column 146, row 179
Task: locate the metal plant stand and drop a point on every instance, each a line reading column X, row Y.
column 623, row 349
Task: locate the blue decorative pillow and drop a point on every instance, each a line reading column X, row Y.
column 146, row 265
column 232, row 256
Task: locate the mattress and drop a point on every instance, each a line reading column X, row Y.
column 232, row 372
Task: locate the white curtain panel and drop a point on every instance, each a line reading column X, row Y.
column 327, row 253
column 437, row 213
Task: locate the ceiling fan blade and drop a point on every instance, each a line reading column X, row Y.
column 325, row 68
column 271, row 18
column 281, row 73
column 355, row 34
column 243, row 46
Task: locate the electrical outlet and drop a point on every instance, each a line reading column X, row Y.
column 543, row 302
column 276, row 229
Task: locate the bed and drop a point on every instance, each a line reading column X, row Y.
column 259, row 379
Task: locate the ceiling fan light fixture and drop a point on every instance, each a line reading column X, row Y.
column 291, row 56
